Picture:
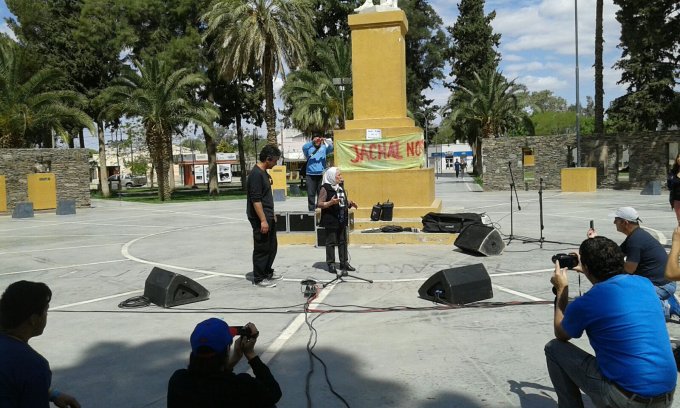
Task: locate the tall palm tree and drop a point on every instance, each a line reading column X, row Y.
column 599, row 81
column 316, row 103
column 29, row 106
column 263, row 35
column 486, row 107
column 165, row 101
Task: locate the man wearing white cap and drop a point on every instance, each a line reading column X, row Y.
column 644, row 256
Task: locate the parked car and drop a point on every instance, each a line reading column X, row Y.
column 128, row 180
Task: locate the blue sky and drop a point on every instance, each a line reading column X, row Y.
column 537, row 44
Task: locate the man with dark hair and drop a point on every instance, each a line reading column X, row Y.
column 644, row 256
column 210, row 382
column 260, row 212
column 25, row 375
column 633, row 364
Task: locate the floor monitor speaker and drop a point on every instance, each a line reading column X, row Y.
column 480, row 239
column 459, row 286
column 168, row 289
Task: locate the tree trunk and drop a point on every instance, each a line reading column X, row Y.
column 599, row 86
column 170, row 166
column 211, row 147
column 478, row 168
column 269, row 111
column 103, row 174
column 81, row 138
column 241, row 151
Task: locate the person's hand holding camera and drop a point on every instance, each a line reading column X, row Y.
column 247, row 342
column 559, row 279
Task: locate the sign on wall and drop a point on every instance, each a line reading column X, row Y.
column 402, row 152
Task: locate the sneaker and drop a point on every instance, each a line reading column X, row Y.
column 275, row 277
column 264, row 283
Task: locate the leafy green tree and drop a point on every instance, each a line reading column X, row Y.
column 649, row 62
column 164, row 101
column 474, row 43
column 261, row 35
column 30, row 107
column 487, row 107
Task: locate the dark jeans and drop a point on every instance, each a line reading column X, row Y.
column 313, row 187
column 336, row 238
column 264, row 249
column 572, row 370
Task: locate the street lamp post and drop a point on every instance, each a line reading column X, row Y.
column 341, row 83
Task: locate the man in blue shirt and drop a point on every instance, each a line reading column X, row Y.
column 315, row 153
column 25, row 375
column 633, row 364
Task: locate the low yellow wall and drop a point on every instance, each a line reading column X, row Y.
column 3, row 194
column 42, row 191
column 278, row 174
column 579, row 179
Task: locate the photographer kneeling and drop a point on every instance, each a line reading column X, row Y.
column 633, row 364
column 210, row 382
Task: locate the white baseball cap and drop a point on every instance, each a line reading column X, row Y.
column 626, row 213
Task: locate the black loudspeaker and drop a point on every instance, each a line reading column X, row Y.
column 301, row 221
column 281, row 221
column 167, row 289
column 458, row 286
column 480, row 239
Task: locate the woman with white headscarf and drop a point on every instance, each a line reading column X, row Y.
column 335, row 206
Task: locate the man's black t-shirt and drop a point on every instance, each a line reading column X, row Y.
column 224, row 389
column 259, row 186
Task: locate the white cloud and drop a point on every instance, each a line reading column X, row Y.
column 4, row 28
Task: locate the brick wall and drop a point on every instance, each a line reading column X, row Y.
column 648, row 158
column 70, row 167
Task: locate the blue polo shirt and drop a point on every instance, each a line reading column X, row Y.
column 627, row 330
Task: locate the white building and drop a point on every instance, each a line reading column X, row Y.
column 442, row 156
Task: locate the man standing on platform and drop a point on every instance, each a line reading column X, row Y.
column 315, row 153
column 260, row 212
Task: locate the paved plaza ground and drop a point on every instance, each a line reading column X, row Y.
column 427, row 357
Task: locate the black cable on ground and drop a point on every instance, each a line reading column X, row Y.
column 135, row 302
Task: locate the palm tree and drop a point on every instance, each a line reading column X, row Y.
column 29, row 107
column 486, row 107
column 165, row 101
column 262, row 35
column 316, row 103
column 599, row 81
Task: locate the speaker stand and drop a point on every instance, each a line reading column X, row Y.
column 341, row 275
column 513, row 188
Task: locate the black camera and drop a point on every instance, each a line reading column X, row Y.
column 244, row 331
column 569, row 261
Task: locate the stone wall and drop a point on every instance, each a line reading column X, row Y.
column 70, row 167
column 648, row 159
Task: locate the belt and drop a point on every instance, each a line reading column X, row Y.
column 639, row 398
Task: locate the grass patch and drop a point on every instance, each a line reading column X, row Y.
column 479, row 180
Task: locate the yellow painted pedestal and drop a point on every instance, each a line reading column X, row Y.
column 379, row 103
column 579, row 179
column 42, row 191
column 3, row 194
column 278, row 174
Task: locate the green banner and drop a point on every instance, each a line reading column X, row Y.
column 401, row 152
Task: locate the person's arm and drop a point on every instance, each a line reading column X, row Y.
column 255, row 191
column 561, row 286
column 259, row 210
column 630, row 267
column 305, row 149
column 321, row 201
column 329, row 146
column 63, row 400
column 264, row 389
column 672, row 265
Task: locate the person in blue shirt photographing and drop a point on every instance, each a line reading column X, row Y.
column 315, row 152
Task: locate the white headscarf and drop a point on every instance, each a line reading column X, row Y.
column 329, row 177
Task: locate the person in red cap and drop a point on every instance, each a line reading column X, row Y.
column 209, row 381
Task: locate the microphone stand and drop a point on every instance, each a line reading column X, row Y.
column 519, row 207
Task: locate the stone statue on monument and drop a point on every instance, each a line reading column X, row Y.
column 385, row 5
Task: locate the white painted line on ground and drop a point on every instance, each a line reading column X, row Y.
column 293, row 327
column 62, row 267
column 516, row 293
column 60, row 249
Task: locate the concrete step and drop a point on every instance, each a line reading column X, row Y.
column 366, row 223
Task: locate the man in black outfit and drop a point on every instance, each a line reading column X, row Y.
column 260, row 211
column 210, row 382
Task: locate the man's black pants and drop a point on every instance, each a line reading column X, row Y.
column 313, row 187
column 264, row 249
